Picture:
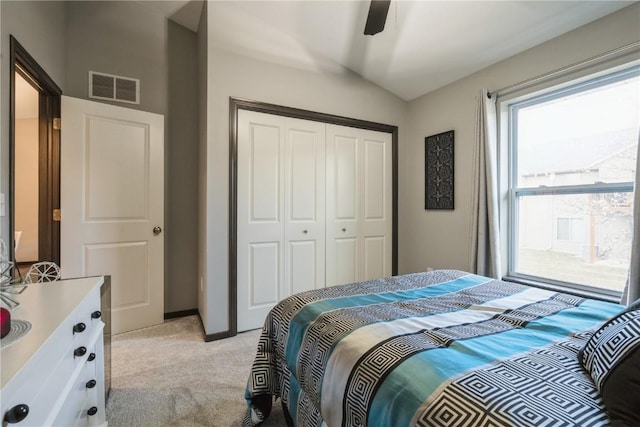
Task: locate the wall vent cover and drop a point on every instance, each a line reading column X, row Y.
column 114, row 88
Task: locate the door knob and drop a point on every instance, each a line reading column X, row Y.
column 344, row 229
column 304, row 231
column 157, row 230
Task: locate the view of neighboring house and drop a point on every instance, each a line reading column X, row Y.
column 579, row 225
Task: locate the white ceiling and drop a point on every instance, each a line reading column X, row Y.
column 425, row 44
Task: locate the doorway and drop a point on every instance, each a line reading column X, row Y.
column 34, row 163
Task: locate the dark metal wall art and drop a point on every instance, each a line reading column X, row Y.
column 438, row 171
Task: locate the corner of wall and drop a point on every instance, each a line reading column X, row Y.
column 202, row 168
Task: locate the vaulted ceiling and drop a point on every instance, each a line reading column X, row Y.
column 425, row 44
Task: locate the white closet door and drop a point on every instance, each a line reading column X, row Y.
column 260, row 219
column 359, row 205
column 280, row 217
column 304, row 237
column 376, row 222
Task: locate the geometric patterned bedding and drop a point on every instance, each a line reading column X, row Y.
column 442, row 348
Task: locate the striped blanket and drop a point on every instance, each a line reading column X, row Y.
column 444, row 348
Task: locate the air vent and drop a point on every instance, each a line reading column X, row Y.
column 114, row 88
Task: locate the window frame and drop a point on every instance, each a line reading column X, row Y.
column 514, row 193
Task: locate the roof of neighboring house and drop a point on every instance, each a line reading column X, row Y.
column 575, row 154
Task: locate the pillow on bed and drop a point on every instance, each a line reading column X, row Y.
column 612, row 358
column 634, row 305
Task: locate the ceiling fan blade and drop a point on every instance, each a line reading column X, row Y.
column 377, row 17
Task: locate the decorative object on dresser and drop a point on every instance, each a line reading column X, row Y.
column 438, row 171
column 41, row 272
column 5, row 322
column 55, row 374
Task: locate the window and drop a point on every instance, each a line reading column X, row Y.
column 571, row 229
column 572, row 167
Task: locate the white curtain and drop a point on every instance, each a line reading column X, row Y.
column 485, row 233
column 632, row 290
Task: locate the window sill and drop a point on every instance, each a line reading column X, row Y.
column 564, row 289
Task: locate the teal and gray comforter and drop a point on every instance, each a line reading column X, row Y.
column 444, row 348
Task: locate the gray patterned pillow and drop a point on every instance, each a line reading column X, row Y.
column 610, row 345
column 612, row 358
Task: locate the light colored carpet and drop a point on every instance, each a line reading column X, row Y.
column 167, row 375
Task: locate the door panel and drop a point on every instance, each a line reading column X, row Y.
column 117, row 164
column 303, row 265
column 125, row 262
column 264, row 275
column 304, row 235
column 345, row 257
column 260, row 254
column 359, row 204
column 374, row 257
column 345, row 168
column 343, row 203
column 112, row 197
column 264, row 170
column 281, row 181
column 374, row 180
column 302, row 179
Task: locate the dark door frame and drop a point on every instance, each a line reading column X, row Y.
column 49, row 100
column 236, row 104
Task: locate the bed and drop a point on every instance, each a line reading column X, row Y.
column 444, row 348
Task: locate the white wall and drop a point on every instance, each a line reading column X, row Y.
column 440, row 239
column 344, row 94
column 39, row 28
column 26, row 186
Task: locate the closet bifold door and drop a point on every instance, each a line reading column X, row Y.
column 359, row 205
column 280, row 212
column 304, row 202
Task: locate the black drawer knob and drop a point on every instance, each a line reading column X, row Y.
column 92, row 357
column 16, row 414
column 92, row 411
column 80, row 351
column 79, row 327
column 96, row 314
column 91, row 384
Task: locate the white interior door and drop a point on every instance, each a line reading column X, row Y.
column 344, row 163
column 260, row 221
column 304, row 237
column 359, row 205
column 112, row 199
column 376, row 222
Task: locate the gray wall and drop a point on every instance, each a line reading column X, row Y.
column 441, row 239
column 129, row 39
column 133, row 39
column 203, row 92
column 39, row 28
column 181, row 172
column 344, row 94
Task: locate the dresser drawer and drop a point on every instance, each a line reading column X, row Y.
column 52, row 382
column 70, row 401
column 84, row 320
column 78, row 401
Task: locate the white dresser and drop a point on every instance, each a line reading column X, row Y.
column 56, row 371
